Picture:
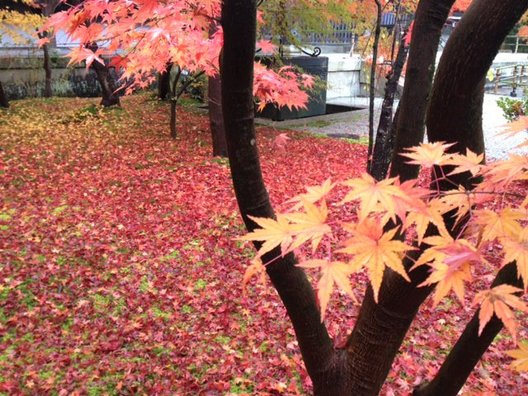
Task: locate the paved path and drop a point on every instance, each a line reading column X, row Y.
column 355, row 125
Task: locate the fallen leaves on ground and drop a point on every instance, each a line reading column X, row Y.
column 120, row 273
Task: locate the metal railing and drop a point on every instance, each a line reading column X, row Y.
column 513, row 77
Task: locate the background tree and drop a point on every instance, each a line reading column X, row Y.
column 392, row 303
column 178, row 34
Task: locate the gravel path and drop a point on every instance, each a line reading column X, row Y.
column 355, row 125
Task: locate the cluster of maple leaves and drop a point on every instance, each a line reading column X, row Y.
column 493, row 219
column 142, row 37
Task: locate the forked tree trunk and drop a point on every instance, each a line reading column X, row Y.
column 4, row 102
column 383, row 147
column 454, row 115
column 485, row 25
column 164, row 87
column 216, row 121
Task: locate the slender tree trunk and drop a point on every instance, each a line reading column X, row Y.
column 325, row 366
column 4, row 102
column 429, row 20
column 173, row 129
column 384, row 138
column 216, row 120
column 47, row 66
column 109, row 97
column 47, row 70
column 174, row 102
column 372, row 88
column 164, row 87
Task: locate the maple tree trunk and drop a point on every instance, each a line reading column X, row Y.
column 380, row 328
column 164, row 83
column 372, row 87
column 4, row 102
column 383, row 146
column 216, row 121
column 109, row 97
column 173, row 129
column 47, row 70
column 469, row 348
column 429, row 20
column 492, row 20
column 296, row 292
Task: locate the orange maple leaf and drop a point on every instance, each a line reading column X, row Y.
column 470, row 162
column 373, row 195
column 450, row 261
column 312, row 194
column 429, row 154
column 431, row 213
column 375, row 249
column 273, row 233
column 256, row 268
column 332, row 272
column 309, row 225
column 521, row 357
column 498, row 301
column 494, row 225
column 516, row 249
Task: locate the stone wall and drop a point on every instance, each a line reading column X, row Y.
column 23, row 76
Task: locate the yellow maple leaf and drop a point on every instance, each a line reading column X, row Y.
column 431, row 213
column 332, row 273
column 375, row 250
column 494, row 225
column 309, row 225
column 429, row 154
column 498, row 301
column 516, row 249
column 272, row 233
column 371, row 193
column 471, row 162
column 500, row 174
column 521, row 357
column 312, row 194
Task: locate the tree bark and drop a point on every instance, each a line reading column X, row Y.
column 383, row 147
column 381, row 328
column 372, row 87
column 47, row 70
column 324, row 365
column 485, row 25
column 216, row 121
column 109, row 97
column 164, row 88
column 173, row 128
column 429, row 20
column 469, row 348
column 4, row 102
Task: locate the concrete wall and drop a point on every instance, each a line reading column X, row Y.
column 344, row 76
